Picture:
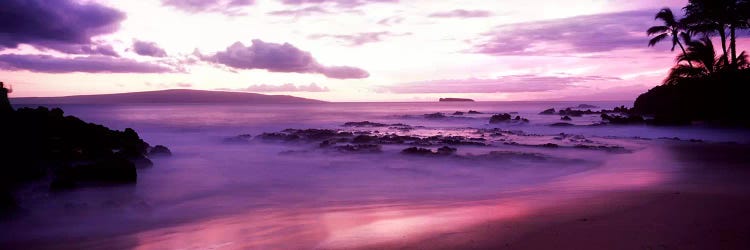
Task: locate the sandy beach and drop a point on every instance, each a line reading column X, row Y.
column 704, row 209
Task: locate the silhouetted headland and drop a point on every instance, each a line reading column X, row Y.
column 455, row 100
column 168, row 96
column 43, row 144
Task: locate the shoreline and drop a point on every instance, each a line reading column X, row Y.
column 703, row 209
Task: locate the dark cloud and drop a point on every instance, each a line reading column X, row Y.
column 504, row 84
column 276, row 57
column 230, row 7
column 581, row 34
column 148, row 49
column 339, row 3
column 63, row 25
column 460, row 13
column 358, row 38
column 89, row 64
column 288, row 87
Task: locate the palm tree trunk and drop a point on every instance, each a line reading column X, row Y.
column 733, row 46
column 723, row 36
column 683, row 52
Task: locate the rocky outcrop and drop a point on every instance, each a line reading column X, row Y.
column 505, row 117
column 41, row 141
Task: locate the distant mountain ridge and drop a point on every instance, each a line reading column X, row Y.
column 168, row 96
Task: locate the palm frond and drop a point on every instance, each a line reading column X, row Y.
column 657, row 30
column 657, row 39
column 667, row 16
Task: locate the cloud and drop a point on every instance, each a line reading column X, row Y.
column 288, row 87
column 339, row 3
column 89, row 64
column 358, row 39
column 306, row 11
column 63, row 25
column 392, row 20
column 460, row 13
column 581, row 34
column 503, row 84
column 230, row 7
column 148, row 49
column 276, row 57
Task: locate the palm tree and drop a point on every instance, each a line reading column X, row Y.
column 671, row 29
column 709, row 17
column 701, row 58
column 702, row 62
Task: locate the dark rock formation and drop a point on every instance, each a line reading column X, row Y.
column 474, row 112
column 435, row 116
column 498, row 118
column 458, row 113
column 566, row 118
column 360, row 148
column 365, row 124
column 561, row 124
column 627, row 119
column 159, row 150
column 550, row 111
column 243, row 138
column 38, row 142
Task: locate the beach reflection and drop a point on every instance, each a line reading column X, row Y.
column 361, row 225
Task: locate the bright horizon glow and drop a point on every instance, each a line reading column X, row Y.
column 413, row 50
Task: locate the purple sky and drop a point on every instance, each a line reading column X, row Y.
column 337, row 50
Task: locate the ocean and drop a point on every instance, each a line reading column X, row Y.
column 269, row 194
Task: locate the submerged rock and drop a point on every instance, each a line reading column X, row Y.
column 243, row 138
column 550, row 111
column 628, row 119
column 417, row 151
column 437, row 115
column 160, row 151
column 365, row 124
column 566, row 118
column 360, row 148
column 561, row 124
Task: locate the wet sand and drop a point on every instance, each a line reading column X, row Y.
column 707, row 208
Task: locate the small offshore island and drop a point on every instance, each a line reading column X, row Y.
column 455, row 100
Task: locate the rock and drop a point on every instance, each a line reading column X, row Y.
column 549, row 145
column 435, row 116
column 360, row 148
column 161, row 150
column 474, row 112
column 566, row 118
column 458, row 113
column 561, row 124
column 629, row 119
column 550, row 111
column 586, row 106
column 243, row 138
column 416, row 151
column 364, row 139
column 367, row 124
column 497, row 118
column 445, row 150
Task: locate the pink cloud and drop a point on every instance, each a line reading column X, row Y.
column 276, row 57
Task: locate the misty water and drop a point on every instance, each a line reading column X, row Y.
column 265, row 194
